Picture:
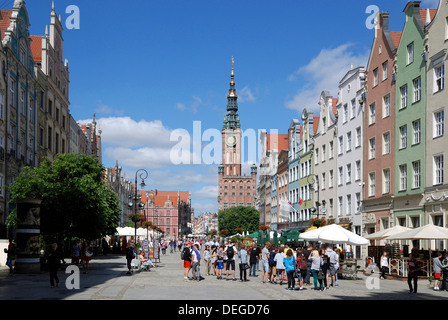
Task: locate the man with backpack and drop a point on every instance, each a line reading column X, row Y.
column 186, row 257
column 130, row 255
column 230, row 253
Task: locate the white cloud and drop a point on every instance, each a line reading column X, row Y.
column 323, row 73
column 208, row 192
column 192, row 107
column 246, row 95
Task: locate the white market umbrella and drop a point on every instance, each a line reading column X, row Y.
column 334, row 234
column 126, row 231
column 427, row 232
column 383, row 234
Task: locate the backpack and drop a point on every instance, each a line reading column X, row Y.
column 271, row 259
column 230, row 252
column 303, row 263
column 185, row 254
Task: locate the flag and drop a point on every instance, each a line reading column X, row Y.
column 300, row 201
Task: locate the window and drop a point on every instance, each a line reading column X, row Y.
column 403, row 137
column 340, row 176
column 372, row 113
column 353, row 108
column 416, row 127
column 340, row 206
column 324, row 181
column 386, row 106
column 349, row 174
column 341, row 144
column 385, row 70
column 349, row 141
column 12, row 95
column 404, row 96
column 416, row 174
column 349, row 204
column 403, row 177
column 386, row 181
column 22, row 102
column 372, row 148
column 345, row 113
column 439, row 78
column 386, row 143
column 411, row 53
column 330, row 179
column 439, row 123
column 358, row 202
column 331, row 207
column 358, row 137
column 438, row 170
column 330, row 156
column 358, row 170
column 375, row 77
column 316, row 158
column 417, row 85
column 372, row 184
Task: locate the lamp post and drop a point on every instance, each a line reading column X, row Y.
column 315, row 180
column 137, row 196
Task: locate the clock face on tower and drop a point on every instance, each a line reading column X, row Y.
column 231, row 141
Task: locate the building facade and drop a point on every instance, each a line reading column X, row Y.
column 327, row 148
column 350, row 127
column 410, row 119
column 378, row 129
column 435, row 199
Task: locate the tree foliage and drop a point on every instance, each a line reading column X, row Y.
column 76, row 202
column 246, row 218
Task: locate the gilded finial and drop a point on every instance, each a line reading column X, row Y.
column 233, row 61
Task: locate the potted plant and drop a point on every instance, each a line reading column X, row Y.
column 136, row 217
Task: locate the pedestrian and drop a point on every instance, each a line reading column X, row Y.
column 253, row 260
column 146, row 263
column 334, row 260
column 306, row 255
column 316, row 262
column 437, row 267
column 414, row 267
column 10, row 255
column 243, row 259
column 195, row 263
column 54, row 263
column 76, row 251
column 445, row 272
column 214, row 258
column 130, row 255
column 272, row 269
column 324, row 268
column 230, row 264
column 302, row 268
column 279, row 265
column 186, row 257
column 219, row 262
column 207, row 259
column 265, row 262
column 384, row 265
column 336, row 268
column 86, row 257
column 348, row 252
column 290, row 266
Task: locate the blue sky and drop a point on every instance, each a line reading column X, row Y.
column 147, row 68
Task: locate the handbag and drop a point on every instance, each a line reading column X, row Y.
column 244, row 266
column 320, row 275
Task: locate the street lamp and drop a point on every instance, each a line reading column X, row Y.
column 315, row 180
column 137, row 196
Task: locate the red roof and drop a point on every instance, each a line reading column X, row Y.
column 162, row 196
column 5, row 21
column 282, row 141
column 335, row 103
column 396, row 37
column 315, row 124
column 432, row 14
column 36, row 48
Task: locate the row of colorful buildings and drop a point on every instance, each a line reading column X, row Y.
column 373, row 156
column 35, row 119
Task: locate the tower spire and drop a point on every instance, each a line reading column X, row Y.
column 232, row 120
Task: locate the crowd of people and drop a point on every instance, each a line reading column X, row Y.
column 294, row 267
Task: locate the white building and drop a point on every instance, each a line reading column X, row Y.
column 350, row 151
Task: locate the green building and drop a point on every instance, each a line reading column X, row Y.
column 410, row 119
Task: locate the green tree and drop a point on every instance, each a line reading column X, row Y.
column 76, row 203
column 246, row 218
